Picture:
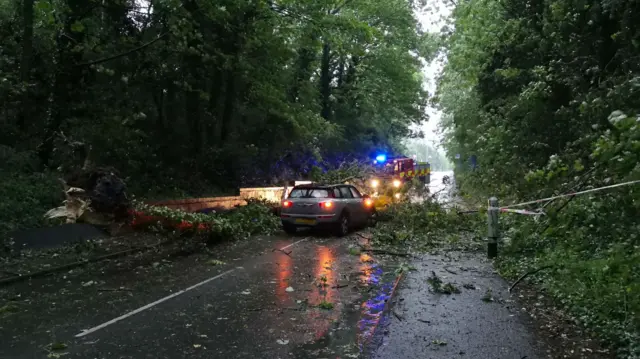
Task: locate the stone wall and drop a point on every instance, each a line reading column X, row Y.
column 196, row 204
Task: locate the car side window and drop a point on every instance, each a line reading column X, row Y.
column 336, row 193
column 345, row 192
column 355, row 192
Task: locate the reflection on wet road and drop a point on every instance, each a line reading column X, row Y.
column 379, row 291
column 323, row 293
column 284, row 268
column 314, row 301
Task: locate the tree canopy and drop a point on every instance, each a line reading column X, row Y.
column 177, row 92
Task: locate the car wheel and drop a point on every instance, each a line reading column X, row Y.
column 373, row 219
column 344, row 224
column 289, row 228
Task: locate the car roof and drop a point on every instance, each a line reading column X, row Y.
column 320, row 186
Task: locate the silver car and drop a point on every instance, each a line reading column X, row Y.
column 338, row 207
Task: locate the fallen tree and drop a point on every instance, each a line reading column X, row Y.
column 94, row 195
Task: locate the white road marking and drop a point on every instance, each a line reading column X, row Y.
column 125, row 316
column 150, row 305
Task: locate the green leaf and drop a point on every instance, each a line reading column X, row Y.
column 77, row 26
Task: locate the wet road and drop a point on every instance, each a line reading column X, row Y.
column 309, row 298
column 481, row 321
column 478, row 320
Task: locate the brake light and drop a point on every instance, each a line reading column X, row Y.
column 287, row 204
column 326, row 205
column 368, row 202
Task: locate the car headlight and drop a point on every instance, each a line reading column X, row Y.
column 397, row 183
column 375, row 183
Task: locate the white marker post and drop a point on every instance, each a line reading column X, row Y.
column 493, row 230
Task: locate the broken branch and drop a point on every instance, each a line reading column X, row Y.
column 395, row 314
column 449, row 270
column 99, row 61
column 283, row 251
column 531, row 272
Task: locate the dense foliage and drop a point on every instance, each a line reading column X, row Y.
column 256, row 218
column 426, row 226
column 544, row 94
column 186, row 96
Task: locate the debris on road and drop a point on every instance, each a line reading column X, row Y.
column 215, row 262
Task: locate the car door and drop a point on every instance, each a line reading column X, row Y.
column 358, row 204
column 347, row 198
column 337, row 194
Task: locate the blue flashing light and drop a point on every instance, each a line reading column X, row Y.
column 381, row 158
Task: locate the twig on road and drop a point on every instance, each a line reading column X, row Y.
column 395, row 314
column 531, row 272
column 10, row 272
column 382, row 251
column 283, row 251
column 449, row 270
column 115, row 290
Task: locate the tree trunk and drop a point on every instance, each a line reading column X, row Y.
column 304, row 71
column 229, row 106
column 213, row 120
column 59, row 99
column 325, row 82
column 25, row 66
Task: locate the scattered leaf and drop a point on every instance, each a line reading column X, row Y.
column 57, row 346
column 325, row 305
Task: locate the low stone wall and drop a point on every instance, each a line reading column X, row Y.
column 270, row 194
column 196, row 204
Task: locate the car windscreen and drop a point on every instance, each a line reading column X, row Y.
column 309, row 193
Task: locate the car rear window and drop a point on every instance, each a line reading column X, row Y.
column 309, row 193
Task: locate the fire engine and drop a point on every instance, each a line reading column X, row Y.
column 388, row 183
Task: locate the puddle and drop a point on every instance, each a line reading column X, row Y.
column 354, row 326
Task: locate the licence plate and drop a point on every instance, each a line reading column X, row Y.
column 305, row 221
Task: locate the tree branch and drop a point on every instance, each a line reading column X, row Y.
column 339, row 7
column 99, row 61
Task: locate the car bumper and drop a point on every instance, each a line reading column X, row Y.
column 300, row 220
